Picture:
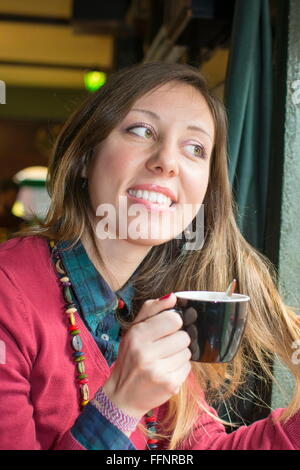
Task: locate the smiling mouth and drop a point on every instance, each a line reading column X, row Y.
column 153, row 197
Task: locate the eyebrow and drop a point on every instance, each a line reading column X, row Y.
column 146, row 111
column 155, row 116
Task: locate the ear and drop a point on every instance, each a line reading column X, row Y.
column 86, row 159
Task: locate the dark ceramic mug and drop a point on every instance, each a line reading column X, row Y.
column 214, row 322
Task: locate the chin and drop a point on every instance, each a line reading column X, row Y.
column 148, row 242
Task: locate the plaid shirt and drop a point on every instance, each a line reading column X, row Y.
column 97, row 304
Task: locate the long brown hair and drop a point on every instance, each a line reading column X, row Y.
column 271, row 328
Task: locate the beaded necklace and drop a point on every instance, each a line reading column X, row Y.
column 77, row 345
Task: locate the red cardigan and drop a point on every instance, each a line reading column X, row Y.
column 38, row 393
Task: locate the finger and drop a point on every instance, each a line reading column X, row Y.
column 160, row 325
column 192, row 332
column 190, row 316
column 170, row 345
column 171, row 364
column 153, row 307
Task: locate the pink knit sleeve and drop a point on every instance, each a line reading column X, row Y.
column 266, row 434
column 17, row 354
column 68, row 442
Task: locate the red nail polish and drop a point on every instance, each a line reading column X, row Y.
column 166, row 296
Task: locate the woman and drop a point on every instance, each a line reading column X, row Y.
column 95, row 354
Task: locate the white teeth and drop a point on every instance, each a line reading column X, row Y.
column 151, row 196
column 160, row 198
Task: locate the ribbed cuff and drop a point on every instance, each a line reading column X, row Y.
column 111, row 412
column 94, row 432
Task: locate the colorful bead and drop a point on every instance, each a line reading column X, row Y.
column 152, row 441
column 85, row 392
column 71, row 311
column 76, row 343
column 81, row 367
column 73, row 327
column 78, row 355
column 150, row 419
column 67, row 294
column 152, row 428
column 81, row 376
column 59, row 267
column 78, row 359
column 68, row 305
column 82, row 381
column 75, row 332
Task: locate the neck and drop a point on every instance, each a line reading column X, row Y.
column 120, row 258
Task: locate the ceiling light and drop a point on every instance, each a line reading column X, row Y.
column 94, row 79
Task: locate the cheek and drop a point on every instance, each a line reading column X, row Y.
column 194, row 191
column 115, row 163
column 109, row 175
column 196, row 188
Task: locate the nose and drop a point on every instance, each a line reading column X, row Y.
column 164, row 160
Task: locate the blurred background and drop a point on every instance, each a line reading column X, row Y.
column 54, row 53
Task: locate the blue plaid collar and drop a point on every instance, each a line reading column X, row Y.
column 92, row 291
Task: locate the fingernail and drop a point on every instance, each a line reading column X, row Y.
column 166, row 296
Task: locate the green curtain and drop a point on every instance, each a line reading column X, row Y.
column 248, row 99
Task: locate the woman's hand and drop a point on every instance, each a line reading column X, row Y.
column 153, row 360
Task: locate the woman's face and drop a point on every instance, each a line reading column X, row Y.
column 152, row 171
